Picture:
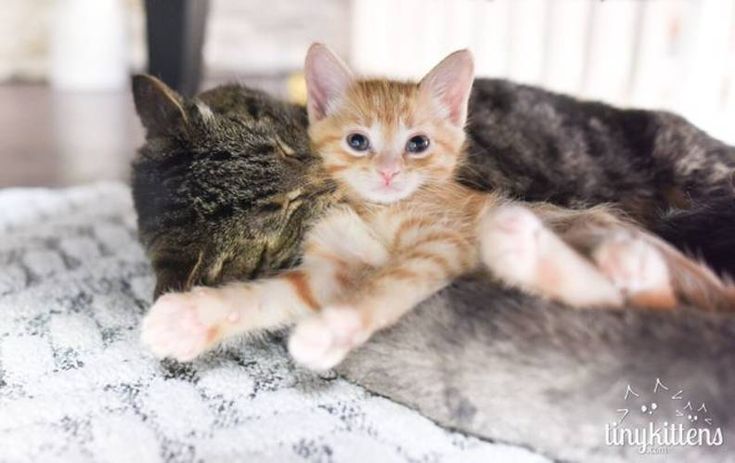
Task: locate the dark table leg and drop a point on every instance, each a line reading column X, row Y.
column 175, row 32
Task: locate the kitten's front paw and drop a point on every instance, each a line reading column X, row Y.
column 183, row 325
column 637, row 269
column 322, row 341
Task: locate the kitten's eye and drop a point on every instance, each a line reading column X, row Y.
column 358, row 142
column 417, row 144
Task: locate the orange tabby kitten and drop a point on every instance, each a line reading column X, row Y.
column 407, row 228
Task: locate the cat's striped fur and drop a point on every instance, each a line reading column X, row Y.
column 394, row 242
column 230, row 196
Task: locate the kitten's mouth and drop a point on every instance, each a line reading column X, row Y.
column 391, row 187
column 386, row 194
column 390, row 193
column 374, row 190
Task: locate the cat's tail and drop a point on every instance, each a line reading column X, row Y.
column 706, row 230
column 694, row 282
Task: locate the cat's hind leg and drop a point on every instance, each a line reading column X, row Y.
column 650, row 272
column 647, row 270
column 521, row 251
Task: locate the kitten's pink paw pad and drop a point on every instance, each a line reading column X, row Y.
column 510, row 242
column 346, row 324
column 321, row 342
column 175, row 326
column 637, row 269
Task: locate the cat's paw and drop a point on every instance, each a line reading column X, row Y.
column 322, row 341
column 510, row 243
column 637, row 269
column 183, row 325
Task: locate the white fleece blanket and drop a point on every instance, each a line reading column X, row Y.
column 76, row 386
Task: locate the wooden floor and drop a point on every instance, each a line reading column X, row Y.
column 56, row 139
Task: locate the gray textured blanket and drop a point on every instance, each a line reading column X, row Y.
column 76, row 386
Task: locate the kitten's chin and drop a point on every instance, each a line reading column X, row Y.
column 372, row 190
column 385, row 195
column 381, row 194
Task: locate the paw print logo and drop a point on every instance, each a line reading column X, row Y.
column 649, row 409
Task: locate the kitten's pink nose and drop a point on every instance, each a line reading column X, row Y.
column 389, row 174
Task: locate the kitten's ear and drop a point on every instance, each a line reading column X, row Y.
column 327, row 79
column 449, row 84
column 159, row 107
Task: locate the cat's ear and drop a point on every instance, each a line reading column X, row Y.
column 159, row 107
column 327, row 80
column 449, row 84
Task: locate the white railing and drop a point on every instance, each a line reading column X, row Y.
column 669, row 54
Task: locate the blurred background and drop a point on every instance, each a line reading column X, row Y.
column 66, row 114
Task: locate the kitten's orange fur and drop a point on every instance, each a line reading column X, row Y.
column 407, row 228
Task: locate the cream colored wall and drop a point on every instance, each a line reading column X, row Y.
column 272, row 36
column 670, row 54
column 26, row 30
column 243, row 36
column 24, row 35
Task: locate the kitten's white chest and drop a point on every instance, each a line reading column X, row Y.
column 348, row 234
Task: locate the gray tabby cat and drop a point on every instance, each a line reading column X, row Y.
column 509, row 368
column 226, row 184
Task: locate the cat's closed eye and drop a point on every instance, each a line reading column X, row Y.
column 283, row 148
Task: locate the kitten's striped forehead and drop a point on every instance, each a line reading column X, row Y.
column 385, row 103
